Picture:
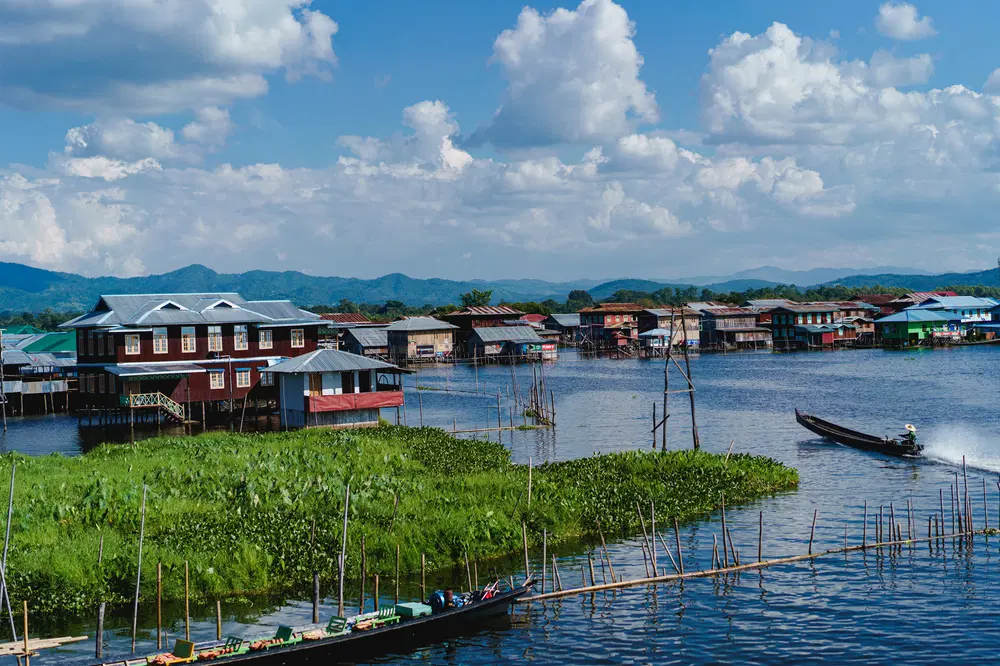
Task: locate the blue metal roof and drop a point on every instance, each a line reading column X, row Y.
column 918, row 315
column 953, row 302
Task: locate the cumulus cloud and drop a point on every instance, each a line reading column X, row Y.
column 900, row 20
column 155, row 56
column 573, row 76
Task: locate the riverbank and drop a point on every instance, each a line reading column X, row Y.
column 240, row 508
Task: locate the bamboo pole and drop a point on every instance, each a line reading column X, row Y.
column 6, row 543
column 986, row 508
column 529, row 481
column 364, row 576
column 677, row 537
column 187, row 604
column 725, row 552
column 604, row 545
column 670, row 555
column 652, row 530
column 218, row 620
column 812, row 532
column 524, row 541
column 864, row 526
column 341, row 565
column 159, row 603
column 468, row 571
column 687, row 364
column 27, row 653
column 423, row 577
column 760, row 537
column 396, row 577
column 545, row 545
column 315, row 597
column 138, row 575
column 590, row 562
column 99, row 648
column 645, row 536
column 375, row 592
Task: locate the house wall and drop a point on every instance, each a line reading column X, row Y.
column 293, row 388
column 406, row 345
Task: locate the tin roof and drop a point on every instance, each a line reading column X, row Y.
column 918, row 315
column 140, row 370
column 420, row 324
column 330, row 360
column 533, row 318
column 808, row 307
column 728, row 312
column 704, row 305
column 485, row 311
column 61, row 342
column 506, row 334
column 875, row 299
column 765, row 303
column 20, row 329
column 954, row 302
column 613, row 307
column 369, row 336
column 677, row 312
column 188, row 309
column 571, row 320
column 345, row 317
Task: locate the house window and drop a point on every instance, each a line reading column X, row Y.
column 214, row 338
column 100, row 344
column 100, row 384
column 91, row 384
column 112, row 384
column 159, row 341
column 131, row 344
column 81, row 342
column 242, row 377
column 189, row 342
column 264, row 338
column 298, row 338
column 216, row 379
column 240, row 340
column 90, row 343
column 266, row 379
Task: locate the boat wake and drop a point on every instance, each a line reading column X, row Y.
column 949, row 443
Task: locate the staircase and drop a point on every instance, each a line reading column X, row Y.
column 170, row 408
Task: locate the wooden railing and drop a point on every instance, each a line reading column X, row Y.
column 157, row 401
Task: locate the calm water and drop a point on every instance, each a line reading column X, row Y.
column 925, row 604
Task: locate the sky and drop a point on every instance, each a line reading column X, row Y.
column 498, row 139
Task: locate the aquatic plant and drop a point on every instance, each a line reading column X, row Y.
column 240, row 508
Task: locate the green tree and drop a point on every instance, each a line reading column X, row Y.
column 476, row 298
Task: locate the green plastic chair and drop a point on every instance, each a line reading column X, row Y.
column 336, row 626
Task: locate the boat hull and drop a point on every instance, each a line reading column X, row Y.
column 364, row 646
column 855, row 439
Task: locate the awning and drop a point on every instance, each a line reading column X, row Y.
column 164, row 371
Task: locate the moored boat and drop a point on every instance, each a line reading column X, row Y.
column 905, row 445
column 358, row 639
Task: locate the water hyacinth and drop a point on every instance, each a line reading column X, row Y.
column 240, row 508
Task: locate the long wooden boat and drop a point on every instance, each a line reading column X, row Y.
column 859, row 440
column 363, row 646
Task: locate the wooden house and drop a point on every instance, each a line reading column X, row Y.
column 763, row 308
column 881, row 302
column 610, row 325
column 785, row 318
column 420, row 340
column 916, row 327
column 855, row 309
column 333, row 388
column 971, row 309
column 511, row 343
column 372, row 341
column 168, row 353
column 567, row 325
column 900, row 303
column 733, row 328
column 685, row 323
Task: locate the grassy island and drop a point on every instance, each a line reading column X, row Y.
column 240, row 508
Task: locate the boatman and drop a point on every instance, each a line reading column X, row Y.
column 910, row 437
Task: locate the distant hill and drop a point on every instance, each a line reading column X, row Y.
column 805, row 278
column 27, row 289
column 989, row 278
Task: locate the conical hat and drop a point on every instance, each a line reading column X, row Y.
column 910, row 427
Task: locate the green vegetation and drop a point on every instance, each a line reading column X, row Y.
column 240, row 508
column 47, row 320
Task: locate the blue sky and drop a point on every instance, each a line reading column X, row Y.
column 498, row 139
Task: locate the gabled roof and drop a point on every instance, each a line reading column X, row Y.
column 602, row 308
column 677, row 312
column 330, row 360
column 188, row 309
column 20, row 329
column 919, row 296
column 874, row 299
column 704, row 305
column 345, row 317
column 728, row 312
column 765, row 303
column 61, row 342
column 420, row 324
column 571, row 320
column 956, row 302
column 506, row 334
column 368, row 336
column 808, row 307
column 485, row 310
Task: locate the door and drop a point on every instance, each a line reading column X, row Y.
column 347, row 381
column 316, row 384
column 365, row 381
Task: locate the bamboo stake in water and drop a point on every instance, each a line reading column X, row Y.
column 187, row 604
column 100, row 633
column 468, row 572
column 524, row 541
column 218, row 620
column 397, row 574
column 529, row 482
column 364, row 575
column 375, row 594
column 725, row 552
column 27, row 653
column 760, row 537
column 342, row 564
column 652, row 529
column 604, row 545
column 475, row 574
column 315, row 597
column 138, row 575
column 812, row 532
column 677, row 538
column 545, row 539
column 423, row 578
column 864, row 526
column 645, row 536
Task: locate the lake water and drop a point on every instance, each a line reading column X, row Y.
column 919, row 603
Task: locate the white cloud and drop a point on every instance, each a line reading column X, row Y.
column 573, row 76
column 102, row 167
column 885, row 70
column 155, row 56
column 125, row 139
column 900, row 20
column 210, row 127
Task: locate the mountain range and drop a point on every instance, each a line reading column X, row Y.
column 27, row 289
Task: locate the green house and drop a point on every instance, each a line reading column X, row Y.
column 913, row 327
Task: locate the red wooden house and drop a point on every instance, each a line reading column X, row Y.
column 166, row 353
column 611, row 324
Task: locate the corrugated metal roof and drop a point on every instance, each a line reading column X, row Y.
column 20, row 329
column 765, row 303
column 345, row 317
column 506, row 334
column 704, row 305
column 139, row 370
column 571, row 320
column 728, row 312
column 14, row 357
column 677, row 312
column 420, row 324
column 330, row 360
column 64, row 342
column 808, row 307
column 614, row 307
column 918, row 315
column 369, row 337
column 953, row 302
column 485, row 310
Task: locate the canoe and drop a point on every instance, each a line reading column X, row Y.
column 364, row 646
column 858, row 440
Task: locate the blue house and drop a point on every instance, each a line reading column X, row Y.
column 971, row 309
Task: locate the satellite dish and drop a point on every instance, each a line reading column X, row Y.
column 910, row 427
